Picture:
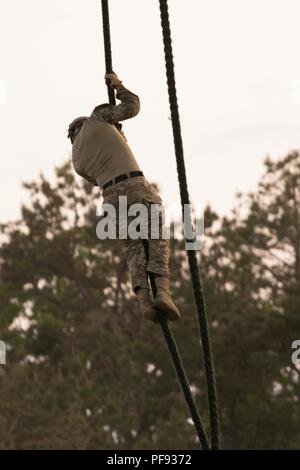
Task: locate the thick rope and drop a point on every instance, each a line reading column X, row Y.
column 172, row 347
column 179, row 368
column 196, row 280
column 107, row 48
column 184, row 383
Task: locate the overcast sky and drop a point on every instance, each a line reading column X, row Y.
column 238, row 79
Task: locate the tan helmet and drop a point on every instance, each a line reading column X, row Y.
column 75, row 126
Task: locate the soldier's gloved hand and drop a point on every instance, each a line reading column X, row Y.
column 112, row 79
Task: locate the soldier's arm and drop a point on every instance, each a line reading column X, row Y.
column 128, row 108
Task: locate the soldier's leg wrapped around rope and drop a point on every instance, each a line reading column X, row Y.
column 129, row 197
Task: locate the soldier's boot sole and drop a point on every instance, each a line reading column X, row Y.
column 165, row 304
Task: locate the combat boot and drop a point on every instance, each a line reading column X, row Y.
column 146, row 304
column 163, row 300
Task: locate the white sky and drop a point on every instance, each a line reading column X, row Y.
column 238, row 82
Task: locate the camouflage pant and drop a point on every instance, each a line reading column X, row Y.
column 139, row 191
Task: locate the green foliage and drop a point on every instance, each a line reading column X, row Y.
column 85, row 371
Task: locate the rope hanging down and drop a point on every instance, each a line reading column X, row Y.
column 107, row 48
column 172, row 347
column 184, row 194
column 177, row 363
column 184, row 383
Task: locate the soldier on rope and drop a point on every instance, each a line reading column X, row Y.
column 102, row 156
